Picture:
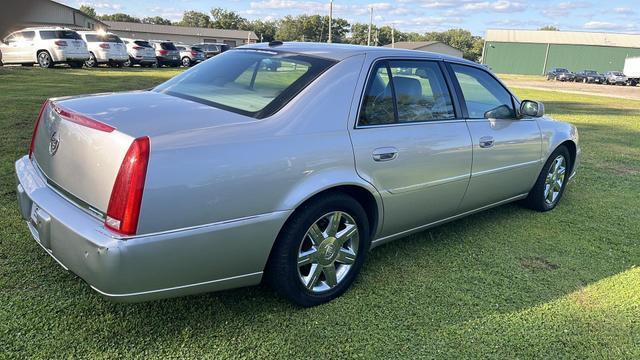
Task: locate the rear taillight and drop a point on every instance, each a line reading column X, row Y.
column 60, row 43
column 82, row 119
column 35, row 128
column 126, row 197
column 105, row 46
column 138, row 48
column 163, row 52
column 194, row 53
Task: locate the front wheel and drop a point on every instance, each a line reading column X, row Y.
column 320, row 251
column 549, row 187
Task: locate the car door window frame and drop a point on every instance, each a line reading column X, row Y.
column 515, row 101
column 457, row 106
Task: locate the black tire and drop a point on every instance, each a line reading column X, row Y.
column 44, row 59
column 91, row 62
column 536, row 198
column 128, row 63
column 186, row 62
column 282, row 271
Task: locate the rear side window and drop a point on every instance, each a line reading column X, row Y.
column 484, row 96
column 406, row 91
column 59, row 34
column 249, row 82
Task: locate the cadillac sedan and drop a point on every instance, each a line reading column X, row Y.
column 232, row 173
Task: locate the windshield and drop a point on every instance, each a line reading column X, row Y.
column 562, row 70
column 590, row 72
column 59, row 34
column 250, row 82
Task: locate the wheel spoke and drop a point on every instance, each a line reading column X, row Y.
column 346, row 234
column 307, row 257
column 312, row 279
column 315, row 234
column 330, row 275
column 346, row 256
column 558, row 185
column 334, row 223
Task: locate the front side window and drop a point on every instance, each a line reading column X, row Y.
column 250, row 82
column 484, row 96
column 402, row 91
column 28, row 35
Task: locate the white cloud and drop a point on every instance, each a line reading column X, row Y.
column 609, row 26
column 565, row 8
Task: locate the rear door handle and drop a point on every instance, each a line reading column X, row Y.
column 486, row 141
column 385, row 154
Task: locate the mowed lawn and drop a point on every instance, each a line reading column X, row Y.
column 505, row 283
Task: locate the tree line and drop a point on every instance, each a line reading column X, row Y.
column 307, row 28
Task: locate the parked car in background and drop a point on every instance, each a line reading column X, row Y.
column 140, row 52
column 213, row 179
column 166, row 53
column 45, row 46
column 212, row 49
column 615, row 78
column 632, row 70
column 560, row 74
column 104, row 48
column 190, row 55
column 589, row 76
column 1, row 63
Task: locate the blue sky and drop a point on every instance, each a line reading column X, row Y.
column 411, row 15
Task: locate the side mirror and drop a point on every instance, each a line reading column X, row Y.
column 532, row 108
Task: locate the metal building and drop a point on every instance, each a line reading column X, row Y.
column 431, row 46
column 535, row 52
column 181, row 34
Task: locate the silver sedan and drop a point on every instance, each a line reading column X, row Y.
column 280, row 162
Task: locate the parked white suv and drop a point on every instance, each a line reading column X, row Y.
column 140, row 52
column 44, row 46
column 104, row 48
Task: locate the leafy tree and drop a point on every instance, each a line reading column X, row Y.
column 195, row 19
column 265, row 30
column 359, row 33
column 119, row 17
column 549, row 28
column 226, row 19
column 311, row 28
column 470, row 45
column 157, row 20
column 88, row 10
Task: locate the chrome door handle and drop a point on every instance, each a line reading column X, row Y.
column 486, row 141
column 385, row 154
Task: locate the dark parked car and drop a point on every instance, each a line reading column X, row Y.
column 560, row 74
column 166, row 53
column 212, row 49
column 589, row 76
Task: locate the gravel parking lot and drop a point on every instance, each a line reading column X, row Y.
column 540, row 83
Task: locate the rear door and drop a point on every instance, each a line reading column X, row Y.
column 506, row 149
column 411, row 144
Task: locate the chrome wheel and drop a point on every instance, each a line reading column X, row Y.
column 44, row 60
column 555, row 180
column 328, row 251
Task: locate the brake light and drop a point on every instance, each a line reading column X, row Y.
column 126, row 197
column 163, row 52
column 194, row 53
column 60, row 43
column 82, row 119
column 35, row 128
column 104, row 46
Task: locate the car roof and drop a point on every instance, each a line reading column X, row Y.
column 342, row 51
column 45, row 28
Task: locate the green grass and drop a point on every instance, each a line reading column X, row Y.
column 505, row 283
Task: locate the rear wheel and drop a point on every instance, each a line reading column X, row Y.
column 320, row 251
column 44, row 59
column 186, row 62
column 91, row 62
column 549, row 187
column 128, row 63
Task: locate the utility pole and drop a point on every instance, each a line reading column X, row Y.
column 370, row 23
column 330, row 19
column 393, row 36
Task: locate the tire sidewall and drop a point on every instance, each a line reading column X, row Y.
column 540, row 184
column 284, row 259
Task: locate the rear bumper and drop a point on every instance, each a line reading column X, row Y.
column 64, row 56
column 174, row 263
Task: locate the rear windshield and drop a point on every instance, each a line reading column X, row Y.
column 249, row 82
column 103, row 38
column 143, row 43
column 59, row 34
column 167, row 46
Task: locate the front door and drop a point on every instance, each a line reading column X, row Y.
column 410, row 143
column 507, row 150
